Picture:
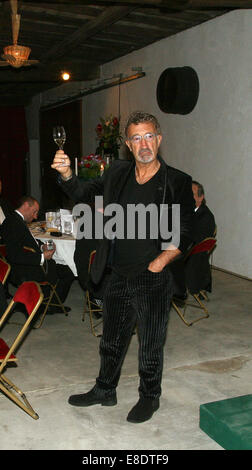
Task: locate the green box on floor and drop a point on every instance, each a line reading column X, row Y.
column 229, row 422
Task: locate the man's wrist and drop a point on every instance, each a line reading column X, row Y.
column 66, row 178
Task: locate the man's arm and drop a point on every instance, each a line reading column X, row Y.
column 184, row 198
column 62, row 164
column 166, row 257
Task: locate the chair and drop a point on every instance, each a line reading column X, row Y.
column 205, row 246
column 90, row 305
column 30, row 295
column 48, row 301
column 47, row 298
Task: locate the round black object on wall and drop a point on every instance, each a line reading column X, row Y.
column 178, row 90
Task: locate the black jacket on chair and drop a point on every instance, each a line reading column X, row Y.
column 173, row 187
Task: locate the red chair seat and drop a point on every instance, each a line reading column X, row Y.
column 4, row 349
column 204, row 246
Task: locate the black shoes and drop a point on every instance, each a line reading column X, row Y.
column 96, row 396
column 143, row 410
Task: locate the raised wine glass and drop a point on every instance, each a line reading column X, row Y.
column 59, row 136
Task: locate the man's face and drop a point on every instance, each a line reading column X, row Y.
column 144, row 151
column 30, row 212
column 198, row 199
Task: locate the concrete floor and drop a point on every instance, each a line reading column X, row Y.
column 212, row 360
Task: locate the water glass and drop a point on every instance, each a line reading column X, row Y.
column 68, row 227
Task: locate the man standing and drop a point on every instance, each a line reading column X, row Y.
column 140, row 288
column 28, row 262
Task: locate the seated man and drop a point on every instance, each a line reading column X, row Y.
column 194, row 273
column 32, row 264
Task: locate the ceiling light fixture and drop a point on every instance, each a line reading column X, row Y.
column 15, row 55
column 65, row 76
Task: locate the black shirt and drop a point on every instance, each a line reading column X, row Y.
column 138, row 245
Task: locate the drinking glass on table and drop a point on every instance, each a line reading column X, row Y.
column 57, row 221
column 49, row 219
column 67, row 227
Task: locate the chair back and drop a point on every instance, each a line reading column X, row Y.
column 91, row 259
column 4, row 270
column 28, row 249
column 29, row 294
column 205, row 246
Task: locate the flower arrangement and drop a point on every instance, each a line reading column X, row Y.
column 109, row 136
column 91, row 166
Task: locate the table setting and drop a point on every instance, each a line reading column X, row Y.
column 61, row 228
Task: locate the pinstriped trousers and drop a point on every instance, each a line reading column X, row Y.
column 143, row 301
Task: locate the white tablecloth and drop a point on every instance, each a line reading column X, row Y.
column 65, row 246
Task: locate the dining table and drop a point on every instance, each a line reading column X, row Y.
column 65, row 244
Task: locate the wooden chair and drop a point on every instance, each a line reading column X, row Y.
column 90, row 305
column 205, row 246
column 30, row 295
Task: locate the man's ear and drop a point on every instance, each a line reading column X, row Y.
column 159, row 139
column 127, row 142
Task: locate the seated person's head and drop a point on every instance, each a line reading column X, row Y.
column 198, row 193
column 29, row 207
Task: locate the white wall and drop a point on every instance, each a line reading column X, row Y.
column 213, row 143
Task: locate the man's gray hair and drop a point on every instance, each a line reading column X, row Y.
column 139, row 116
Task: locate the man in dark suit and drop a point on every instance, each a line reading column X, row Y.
column 28, row 262
column 139, row 291
column 197, row 269
column 194, row 273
